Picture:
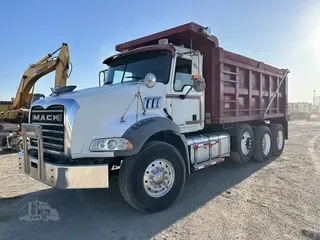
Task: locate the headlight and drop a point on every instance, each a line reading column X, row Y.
column 110, row 144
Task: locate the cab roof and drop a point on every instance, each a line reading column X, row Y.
column 178, row 36
column 184, row 35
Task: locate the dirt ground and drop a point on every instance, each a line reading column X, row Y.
column 279, row 199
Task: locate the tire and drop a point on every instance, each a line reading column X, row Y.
column 19, row 146
column 277, row 142
column 44, row 216
column 242, row 144
column 262, row 152
column 134, row 174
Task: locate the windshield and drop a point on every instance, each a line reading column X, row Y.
column 134, row 67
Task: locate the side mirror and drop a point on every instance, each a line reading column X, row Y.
column 195, row 68
column 199, row 85
column 150, row 80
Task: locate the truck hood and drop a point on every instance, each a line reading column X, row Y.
column 116, row 94
column 96, row 112
column 99, row 91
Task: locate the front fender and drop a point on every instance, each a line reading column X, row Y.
column 141, row 131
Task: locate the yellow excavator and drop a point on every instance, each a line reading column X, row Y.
column 13, row 113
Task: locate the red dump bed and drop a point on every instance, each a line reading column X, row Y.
column 238, row 88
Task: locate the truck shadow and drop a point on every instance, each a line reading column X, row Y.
column 6, row 152
column 91, row 214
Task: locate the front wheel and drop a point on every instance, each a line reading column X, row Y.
column 154, row 178
column 44, row 216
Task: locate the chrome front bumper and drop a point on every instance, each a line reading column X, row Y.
column 59, row 176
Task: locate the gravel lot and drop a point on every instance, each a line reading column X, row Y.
column 279, row 199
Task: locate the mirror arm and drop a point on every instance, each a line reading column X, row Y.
column 104, row 76
column 181, row 96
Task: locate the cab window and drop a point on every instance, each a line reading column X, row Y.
column 118, row 76
column 182, row 74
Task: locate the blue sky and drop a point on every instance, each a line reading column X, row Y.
column 283, row 33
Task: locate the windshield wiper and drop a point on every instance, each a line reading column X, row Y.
column 108, row 82
column 135, row 77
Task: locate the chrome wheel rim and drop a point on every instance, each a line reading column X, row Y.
column 280, row 139
column 21, row 146
column 245, row 146
column 158, row 178
column 266, row 144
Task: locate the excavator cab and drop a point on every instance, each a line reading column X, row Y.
column 37, row 96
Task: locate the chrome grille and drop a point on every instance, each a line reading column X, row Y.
column 52, row 121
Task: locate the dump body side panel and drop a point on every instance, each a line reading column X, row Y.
column 243, row 88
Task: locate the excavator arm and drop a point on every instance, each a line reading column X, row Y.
column 41, row 68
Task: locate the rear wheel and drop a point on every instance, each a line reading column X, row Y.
column 242, row 144
column 154, row 178
column 277, row 143
column 262, row 144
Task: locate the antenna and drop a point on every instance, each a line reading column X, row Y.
column 194, row 10
column 193, row 14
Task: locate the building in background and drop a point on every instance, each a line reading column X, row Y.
column 316, row 105
column 300, row 110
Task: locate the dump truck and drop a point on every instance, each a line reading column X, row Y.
column 172, row 103
column 36, row 211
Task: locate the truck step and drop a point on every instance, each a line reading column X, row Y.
column 208, row 163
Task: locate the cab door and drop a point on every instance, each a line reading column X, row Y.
column 186, row 104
